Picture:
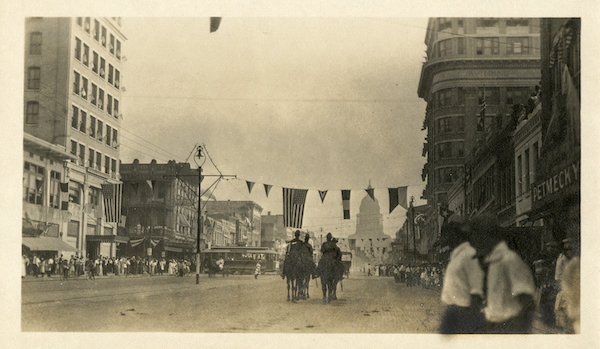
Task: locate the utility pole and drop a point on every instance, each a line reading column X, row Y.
column 412, row 222
column 200, row 225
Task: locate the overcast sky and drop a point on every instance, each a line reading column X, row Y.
column 308, row 103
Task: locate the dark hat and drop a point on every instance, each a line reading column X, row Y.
column 297, row 233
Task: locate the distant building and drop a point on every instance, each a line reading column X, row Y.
column 273, row 231
column 72, row 95
column 248, row 214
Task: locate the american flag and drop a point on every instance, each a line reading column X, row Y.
column 293, row 207
column 112, row 201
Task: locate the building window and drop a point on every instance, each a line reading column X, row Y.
column 460, row 46
column 492, row 95
column 444, row 125
column 109, row 104
column 34, row 76
column 94, row 94
column 461, row 26
column 516, row 95
column 92, row 126
column 83, row 122
column 112, row 44
column 91, row 159
column 101, row 99
column 108, row 134
column 487, row 22
column 444, row 98
column 32, row 113
column 444, row 24
column 517, row 22
column 460, row 149
column 103, row 37
column 54, row 189
column 98, row 161
column 115, row 139
column 73, row 147
column 75, row 82
column 113, row 167
column 117, row 78
column 84, row 87
column 118, row 53
column 518, row 46
column 110, row 74
column 447, row 174
column 35, row 43
column 80, row 21
column 75, row 118
column 78, row 49
column 106, row 165
column 95, row 62
column 33, row 183
column 96, row 30
column 445, row 48
column 86, row 55
column 87, row 25
column 102, row 68
column 100, row 130
column 460, row 123
column 488, row 46
column 444, row 150
column 527, row 173
column 94, row 196
column 74, row 192
column 82, row 155
column 519, row 175
column 116, row 107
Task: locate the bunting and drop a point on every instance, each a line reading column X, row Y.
column 371, row 193
column 112, row 201
column 398, row 196
column 293, row 207
column 346, row 203
column 267, row 189
column 322, row 194
column 136, row 242
column 250, row 186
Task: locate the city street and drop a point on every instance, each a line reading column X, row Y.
column 238, row 304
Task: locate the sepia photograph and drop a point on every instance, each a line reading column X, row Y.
column 227, row 177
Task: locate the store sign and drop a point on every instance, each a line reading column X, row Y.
column 555, row 184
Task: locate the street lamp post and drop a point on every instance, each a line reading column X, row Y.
column 199, row 230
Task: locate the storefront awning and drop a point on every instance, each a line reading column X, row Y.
column 106, row 238
column 47, row 244
column 173, row 249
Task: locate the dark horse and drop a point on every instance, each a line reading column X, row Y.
column 297, row 270
column 330, row 269
column 213, row 268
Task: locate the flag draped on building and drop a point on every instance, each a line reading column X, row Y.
column 112, row 201
column 398, row 196
column 267, row 189
column 293, row 207
column 346, row 203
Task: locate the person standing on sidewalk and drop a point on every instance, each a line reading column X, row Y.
column 463, row 290
column 257, row 270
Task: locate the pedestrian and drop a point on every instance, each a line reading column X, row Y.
column 24, row 265
column 65, row 268
column 257, row 270
column 463, row 290
column 508, row 281
column 560, row 308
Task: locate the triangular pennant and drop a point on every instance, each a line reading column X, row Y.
column 250, row 185
column 214, row 23
column 322, row 194
column 371, row 193
column 150, row 184
column 267, row 189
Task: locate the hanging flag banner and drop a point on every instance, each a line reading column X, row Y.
column 250, row 186
column 112, row 201
column 267, row 189
column 398, row 196
column 214, row 23
column 150, row 184
column 371, row 193
column 346, row 203
column 136, row 242
column 322, row 194
column 293, row 207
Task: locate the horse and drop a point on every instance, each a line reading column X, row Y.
column 331, row 271
column 297, row 270
column 213, row 268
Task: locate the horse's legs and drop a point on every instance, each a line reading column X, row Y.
column 307, row 281
column 288, row 286
column 324, row 288
column 333, row 290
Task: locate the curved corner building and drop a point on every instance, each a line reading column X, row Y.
column 476, row 69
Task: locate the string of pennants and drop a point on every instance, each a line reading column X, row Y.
column 295, row 199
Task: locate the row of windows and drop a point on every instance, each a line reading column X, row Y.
column 100, row 35
column 95, row 127
column 450, row 124
column 95, row 159
column 80, row 87
column 75, row 189
column 447, row 150
column 485, row 46
column 34, row 179
column 446, row 23
column 448, row 174
column 98, row 63
column 456, row 96
column 526, row 168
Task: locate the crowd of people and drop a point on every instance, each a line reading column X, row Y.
column 75, row 266
column 426, row 275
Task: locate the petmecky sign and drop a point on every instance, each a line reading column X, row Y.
column 553, row 185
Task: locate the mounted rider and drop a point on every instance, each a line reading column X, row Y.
column 331, row 259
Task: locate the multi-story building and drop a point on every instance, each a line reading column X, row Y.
column 273, row 232
column 73, row 76
column 160, row 202
column 476, row 70
column 248, row 213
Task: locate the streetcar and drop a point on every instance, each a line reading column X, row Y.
column 242, row 259
column 347, row 262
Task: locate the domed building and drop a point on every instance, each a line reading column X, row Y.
column 369, row 243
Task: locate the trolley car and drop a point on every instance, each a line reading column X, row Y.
column 242, row 259
column 347, row 262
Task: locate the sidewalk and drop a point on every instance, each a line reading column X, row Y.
column 57, row 277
